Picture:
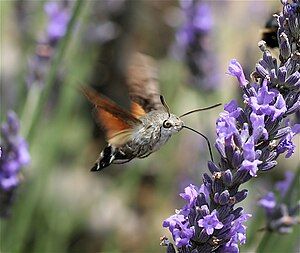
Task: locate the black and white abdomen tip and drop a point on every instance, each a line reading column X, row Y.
column 106, row 158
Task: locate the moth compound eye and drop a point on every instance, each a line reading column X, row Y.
column 167, row 124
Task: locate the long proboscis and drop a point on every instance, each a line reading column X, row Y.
column 200, row 109
column 207, row 141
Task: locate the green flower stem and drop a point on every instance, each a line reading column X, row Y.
column 32, row 101
column 31, row 121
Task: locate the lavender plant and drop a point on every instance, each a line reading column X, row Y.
column 281, row 217
column 14, row 156
column 58, row 19
column 249, row 141
column 43, row 64
column 14, row 148
column 194, row 44
column 48, row 50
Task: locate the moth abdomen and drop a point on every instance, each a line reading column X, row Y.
column 110, row 155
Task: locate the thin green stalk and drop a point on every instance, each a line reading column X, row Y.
column 264, row 242
column 32, row 101
column 26, row 45
column 31, row 123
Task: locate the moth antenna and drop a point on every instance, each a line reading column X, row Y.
column 200, row 109
column 207, row 141
column 164, row 103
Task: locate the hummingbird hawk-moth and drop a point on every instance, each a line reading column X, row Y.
column 149, row 124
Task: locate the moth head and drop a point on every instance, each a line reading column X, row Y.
column 172, row 124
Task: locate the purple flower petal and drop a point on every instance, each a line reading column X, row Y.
column 210, row 222
column 179, row 227
column 283, row 186
column 268, row 202
column 190, row 194
column 58, row 20
column 235, row 69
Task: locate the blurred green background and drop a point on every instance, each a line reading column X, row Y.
column 63, row 207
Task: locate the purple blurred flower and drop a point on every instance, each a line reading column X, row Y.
column 203, row 17
column 193, row 44
column 198, row 21
column 59, row 17
column 283, row 186
column 14, row 156
column 268, row 202
column 15, row 153
column 281, row 217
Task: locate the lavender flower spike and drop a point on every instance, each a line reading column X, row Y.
column 14, row 156
column 59, row 15
column 194, row 45
column 283, row 186
column 249, row 141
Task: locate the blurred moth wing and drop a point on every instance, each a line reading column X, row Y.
column 117, row 122
column 137, row 110
column 142, row 82
column 120, row 138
